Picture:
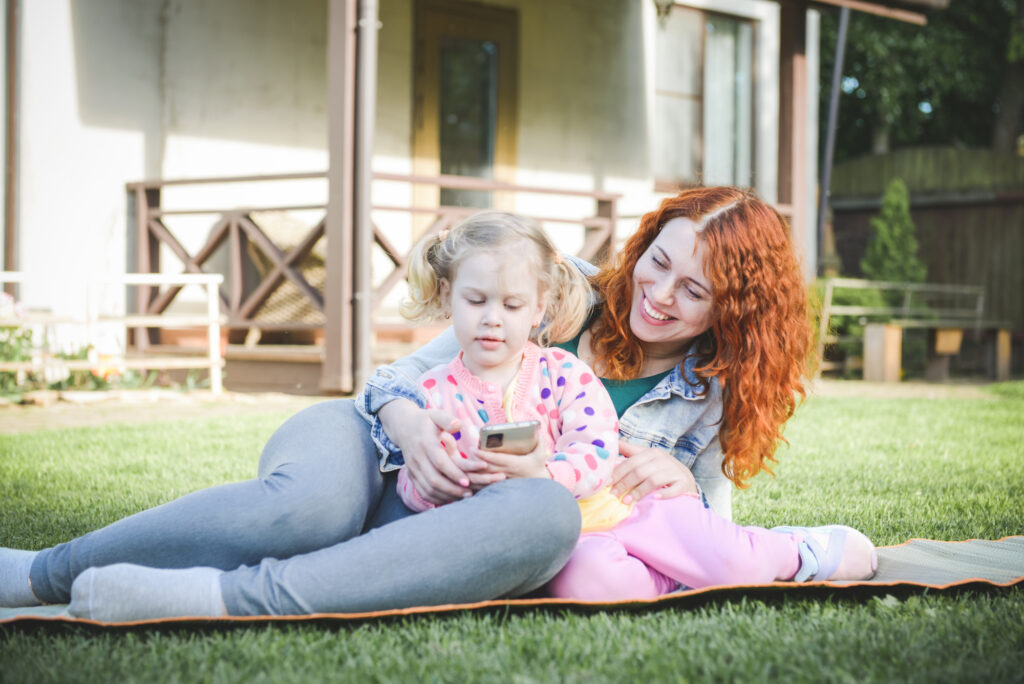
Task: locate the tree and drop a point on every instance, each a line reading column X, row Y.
column 891, row 254
column 1009, row 122
column 938, row 84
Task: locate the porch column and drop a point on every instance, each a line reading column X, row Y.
column 351, row 109
column 793, row 171
column 12, row 70
column 339, row 336
column 365, row 116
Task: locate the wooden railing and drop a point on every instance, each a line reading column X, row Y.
column 600, row 228
column 92, row 320
column 241, row 301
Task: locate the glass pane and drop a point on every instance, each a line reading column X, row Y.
column 677, row 144
column 469, row 98
column 677, row 101
column 677, row 52
column 728, row 96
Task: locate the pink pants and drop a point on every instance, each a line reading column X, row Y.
column 668, row 541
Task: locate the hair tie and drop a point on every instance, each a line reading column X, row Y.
column 442, row 234
column 558, row 259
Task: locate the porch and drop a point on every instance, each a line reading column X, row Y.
column 275, row 259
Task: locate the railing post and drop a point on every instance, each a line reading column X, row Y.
column 147, row 251
column 607, row 209
column 826, row 314
column 213, row 334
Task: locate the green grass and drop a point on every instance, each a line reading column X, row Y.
column 1010, row 390
column 896, row 468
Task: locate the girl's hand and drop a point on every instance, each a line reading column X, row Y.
column 431, row 457
column 505, row 465
column 647, row 469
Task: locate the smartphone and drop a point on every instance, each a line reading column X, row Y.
column 510, row 438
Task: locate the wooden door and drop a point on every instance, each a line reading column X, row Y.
column 464, row 88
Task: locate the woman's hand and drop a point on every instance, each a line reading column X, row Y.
column 504, row 465
column 431, row 457
column 647, row 469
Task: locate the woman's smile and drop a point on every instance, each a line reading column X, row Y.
column 654, row 315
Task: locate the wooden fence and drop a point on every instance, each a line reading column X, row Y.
column 968, row 206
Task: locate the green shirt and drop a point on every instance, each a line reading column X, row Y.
column 624, row 393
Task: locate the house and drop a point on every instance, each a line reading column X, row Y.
column 615, row 102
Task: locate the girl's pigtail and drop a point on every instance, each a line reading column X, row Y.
column 424, row 300
column 568, row 304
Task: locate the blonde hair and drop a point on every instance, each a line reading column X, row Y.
column 437, row 256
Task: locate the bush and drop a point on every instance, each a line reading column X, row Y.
column 18, row 343
column 891, row 253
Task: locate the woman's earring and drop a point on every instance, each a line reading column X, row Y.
column 447, row 314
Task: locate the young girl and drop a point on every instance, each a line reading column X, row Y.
column 499, row 278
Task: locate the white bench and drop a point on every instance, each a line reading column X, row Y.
column 882, row 344
column 212, row 361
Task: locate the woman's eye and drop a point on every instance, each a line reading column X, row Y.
column 659, row 263
column 693, row 293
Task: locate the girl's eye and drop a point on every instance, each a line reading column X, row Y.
column 513, row 307
column 475, row 302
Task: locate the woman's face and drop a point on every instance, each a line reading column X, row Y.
column 671, row 294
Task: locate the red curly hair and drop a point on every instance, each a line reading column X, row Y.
column 759, row 343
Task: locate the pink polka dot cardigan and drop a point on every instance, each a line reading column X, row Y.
column 578, row 422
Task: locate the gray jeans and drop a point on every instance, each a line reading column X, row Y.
column 320, row 529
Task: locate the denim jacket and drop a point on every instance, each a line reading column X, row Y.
column 671, row 416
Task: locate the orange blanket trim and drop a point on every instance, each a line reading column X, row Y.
column 515, row 603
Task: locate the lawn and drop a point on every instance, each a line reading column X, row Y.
column 896, row 468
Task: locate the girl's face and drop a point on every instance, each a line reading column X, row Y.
column 494, row 303
column 671, row 294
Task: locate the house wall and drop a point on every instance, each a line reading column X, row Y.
column 243, row 93
column 89, row 104
column 585, row 103
column 115, row 91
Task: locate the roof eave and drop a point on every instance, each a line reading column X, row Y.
column 911, row 11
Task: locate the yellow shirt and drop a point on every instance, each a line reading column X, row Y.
column 602, row 510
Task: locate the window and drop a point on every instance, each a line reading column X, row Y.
column 703, row 102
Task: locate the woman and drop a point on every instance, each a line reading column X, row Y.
column 322, row 530
column 671, row 330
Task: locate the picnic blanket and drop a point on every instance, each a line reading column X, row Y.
column 918, row 564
